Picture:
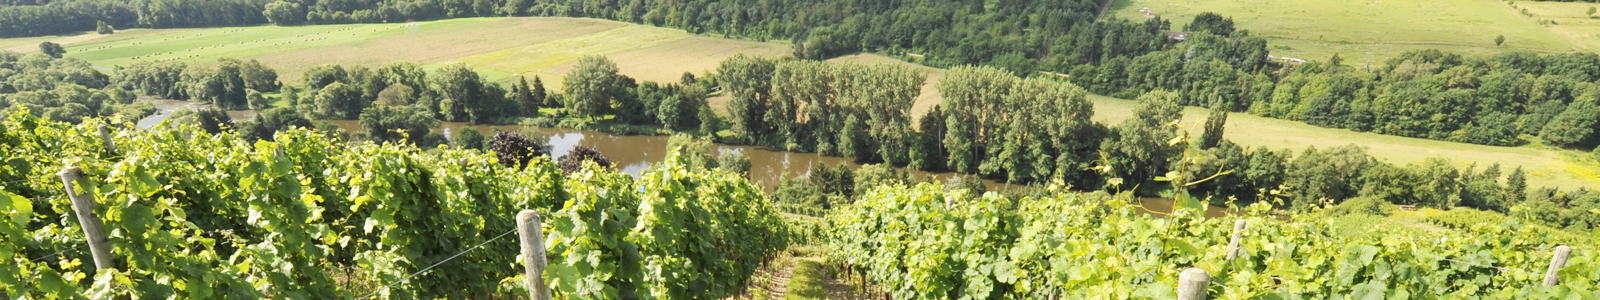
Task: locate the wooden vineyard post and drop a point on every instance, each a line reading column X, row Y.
column 83, row 205
column 533, row 253
column 105, row 136
column 1557, row 261
column 1238, row 233
column 1192, row 284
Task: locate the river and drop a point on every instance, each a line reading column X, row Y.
column 633, row 154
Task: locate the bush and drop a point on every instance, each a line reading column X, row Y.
column 574, row 159
column 736, row 162
column 468, row 138
column 514, row 150
column 1365, row 205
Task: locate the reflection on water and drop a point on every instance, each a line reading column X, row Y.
column 634, row 154
column 166, row 107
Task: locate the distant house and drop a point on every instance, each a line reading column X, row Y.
column 1177, row 35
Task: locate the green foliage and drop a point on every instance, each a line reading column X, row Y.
column 1214, row 127
column 283, row 13
column 204, row 216
column 52, row 49
column 749, row 79
column 271, row 121
column 337, row 101
column 1055, row 247
column 700, row 153
column 210, row 119
column 592, row 86
column 468, row 138
column 1142, row 145
column 102, row 28
column 734, row 161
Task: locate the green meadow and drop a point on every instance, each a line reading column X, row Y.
column 1363, row 31
column 500, row 48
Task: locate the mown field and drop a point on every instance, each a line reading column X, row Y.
column 1570, row 20
column 1368, row 30
column 498, row 47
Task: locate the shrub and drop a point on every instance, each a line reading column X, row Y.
column 514, row 150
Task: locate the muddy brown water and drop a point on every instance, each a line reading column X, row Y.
column 633, row 154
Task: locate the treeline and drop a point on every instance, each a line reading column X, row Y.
column 63, row 90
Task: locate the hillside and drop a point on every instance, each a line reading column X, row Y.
column 499, row 47
column 1371, row 31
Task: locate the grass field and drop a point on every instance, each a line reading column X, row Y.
column 1570, row 21
column 497, row 47
column 1366, row 30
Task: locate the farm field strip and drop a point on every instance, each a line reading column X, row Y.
column 1313, row 30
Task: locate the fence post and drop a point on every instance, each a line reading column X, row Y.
column 105, row 136
column 1238, row 233
column 83, row 205
column 1192, row 284
column 533, row 253
column 1558, row 261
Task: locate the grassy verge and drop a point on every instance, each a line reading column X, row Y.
column 807, row 282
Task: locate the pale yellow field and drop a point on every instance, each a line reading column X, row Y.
column 497, row 47
column 434, row 45
column 1571, row 21
column 1365, row 30
column 640, row 51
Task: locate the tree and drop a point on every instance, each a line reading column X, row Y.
column 339, row 101
column 1516, row 187
column 406, row 124
column 525, row 99
column 468, row 138
column 223, row 86
column 1214, row 127
column 734, row 161
column 320, row 76
column 102, row 28
column 592, row 86
column 210, row 119
column 1591, row 11
column 258, row 77
column 574, row 159
column 697, row 151
column 1141, row 148
column 269, row 122
column 459, row 90
column 1576, row 125
column 284, row 13
column 396, row 95
column 541, row 96
column 255, row 100
column 749, row 79
column 1499, row 39
column 52, row 49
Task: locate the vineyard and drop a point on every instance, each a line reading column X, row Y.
column 926, row 243
column 194, row 215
